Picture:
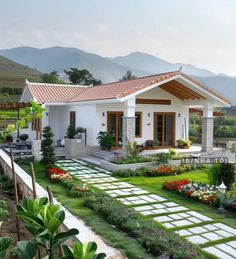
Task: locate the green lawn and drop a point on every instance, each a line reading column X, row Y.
column 130, row 247
column 116, row 238
column 154, row 185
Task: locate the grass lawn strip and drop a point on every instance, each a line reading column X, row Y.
column 177, row 220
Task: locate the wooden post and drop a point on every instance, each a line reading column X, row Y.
column 50, row 197
column 33, row 180
column 16, row 192
column 18, row 118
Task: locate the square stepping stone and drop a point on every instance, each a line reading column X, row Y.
column 223, row 233
column 182, row 223
column 217, row 252
column 126, row 192
column 159, row 206
column 199, row 216
column 142, row 208
column 171, row 204
column 168, row 225
column 194, row 220
column 197, row 230
column 176, row 209
column 174, row 216
column 163, row 219
column 232, row 244
column 146, row 213
column 197, row 239
column 211, row 236
column 226, row 228
column 184, row 233
column 159, row 211
column 210, row 227
column 227, row 249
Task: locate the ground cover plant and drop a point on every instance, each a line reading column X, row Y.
column 156, row 240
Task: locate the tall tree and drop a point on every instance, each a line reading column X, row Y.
column 52, row 77
column 128, row 75
column 81, row 77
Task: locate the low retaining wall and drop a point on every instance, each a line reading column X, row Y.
column 114, row 167
column 75, row 148
column 24, row 182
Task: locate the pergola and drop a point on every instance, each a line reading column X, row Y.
column 17, row 106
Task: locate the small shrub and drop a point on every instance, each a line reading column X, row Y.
column 106, row 140
column 213, row 174
column 184, row 143
column 163, row 158
column 48, row 153
column 132, row 149
column 227, row 174
column 24, row 160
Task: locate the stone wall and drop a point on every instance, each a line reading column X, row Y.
column 24, row 182
column 128, row 130
column 207, row 135
column 36, row 149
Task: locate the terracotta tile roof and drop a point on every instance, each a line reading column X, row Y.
column 53, row 93
column 121, row 89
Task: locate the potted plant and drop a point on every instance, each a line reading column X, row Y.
column 71, row 131
column 79, row 132
column 184, row 143
column 106, row 140
column 23, row 137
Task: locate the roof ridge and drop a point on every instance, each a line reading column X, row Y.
column 137, row 78
column 56, row 85
column 209, row 89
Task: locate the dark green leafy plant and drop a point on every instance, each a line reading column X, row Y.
column 72, row 131
column 43, row 220
column 85, row 250
column 5, row 243
column 227, row 174
column 106, row 140
column 24, row 160
column 48, row 153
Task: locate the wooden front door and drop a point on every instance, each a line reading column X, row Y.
column 164, row 128
column 115, row 126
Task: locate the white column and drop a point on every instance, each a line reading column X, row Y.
column 207, row 128
column 129, row 121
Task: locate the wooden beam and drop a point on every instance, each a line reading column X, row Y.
column 182, row 91
column 153, row 101
column 171, row 91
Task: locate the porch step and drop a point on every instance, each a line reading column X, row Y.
column 104, row 155
column 92, row 160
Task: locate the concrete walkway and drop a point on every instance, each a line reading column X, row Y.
column 195, row 227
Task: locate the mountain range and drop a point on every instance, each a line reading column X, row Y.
column 111, row 69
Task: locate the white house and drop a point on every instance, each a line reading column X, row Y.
column 145, row 108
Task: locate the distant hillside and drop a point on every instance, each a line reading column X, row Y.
column 13, row 75
column 155, row 65
column 112, row 69
column 59, row 58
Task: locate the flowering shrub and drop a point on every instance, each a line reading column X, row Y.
column 166, row 170
column 80, row 190
column 56, row 174
column 204, row 192
column 175, row 185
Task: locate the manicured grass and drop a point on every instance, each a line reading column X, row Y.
column 154, row 185
column 116, row 238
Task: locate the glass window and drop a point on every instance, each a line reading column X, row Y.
column 138, row 124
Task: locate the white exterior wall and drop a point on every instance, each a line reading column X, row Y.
column 176, row 106
column 58, row 119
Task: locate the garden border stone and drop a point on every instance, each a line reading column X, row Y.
column 114, row 167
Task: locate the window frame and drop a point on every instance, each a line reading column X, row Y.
column 140, row 124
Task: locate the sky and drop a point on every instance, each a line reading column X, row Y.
column 198, row 32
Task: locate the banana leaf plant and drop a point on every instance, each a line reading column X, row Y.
column 86, row 250
column 43, row 220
